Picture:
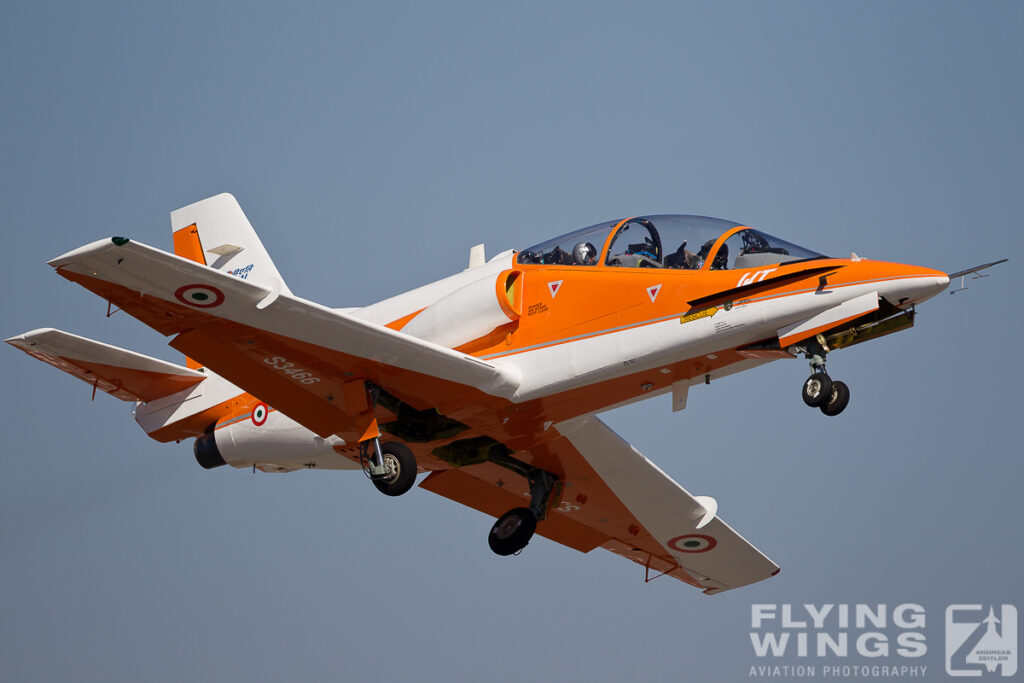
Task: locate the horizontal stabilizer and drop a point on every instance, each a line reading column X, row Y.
column 125, row 374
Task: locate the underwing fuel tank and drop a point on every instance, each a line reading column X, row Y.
column 270, row 441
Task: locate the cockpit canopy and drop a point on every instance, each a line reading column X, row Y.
column 667, row 241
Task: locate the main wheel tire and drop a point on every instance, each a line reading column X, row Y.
column 817, row 389
column 401, row 464
column 512, row 531
column 838, row 400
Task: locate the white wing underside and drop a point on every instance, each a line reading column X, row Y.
column 668, row 511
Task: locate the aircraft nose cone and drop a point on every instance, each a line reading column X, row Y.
column 906, row 285
column 939, row 282
column 926, row 285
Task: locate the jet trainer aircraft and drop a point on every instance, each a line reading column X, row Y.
column 489, row 379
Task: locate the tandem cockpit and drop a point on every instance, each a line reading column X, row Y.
column 667, row 241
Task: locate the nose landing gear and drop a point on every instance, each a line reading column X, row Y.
column 819, row 390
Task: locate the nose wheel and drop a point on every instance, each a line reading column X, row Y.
column 819, row 390
column 837, row 399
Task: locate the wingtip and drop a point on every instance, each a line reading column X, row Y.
column 74, row 254
column 25, row 337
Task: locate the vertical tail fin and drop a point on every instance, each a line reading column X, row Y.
column 216, row 233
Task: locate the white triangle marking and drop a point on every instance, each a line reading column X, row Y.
column 652, row 292
column 553, row 287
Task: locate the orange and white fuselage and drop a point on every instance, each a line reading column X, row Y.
column 499, row 367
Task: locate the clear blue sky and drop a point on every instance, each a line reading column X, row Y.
column 371, row 145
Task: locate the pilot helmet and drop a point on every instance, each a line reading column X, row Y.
column 584, row 253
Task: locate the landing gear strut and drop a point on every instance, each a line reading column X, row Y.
column 514, row 529
column 819, row 390
column 391, row 466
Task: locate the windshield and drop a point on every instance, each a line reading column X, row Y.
column 580, row 248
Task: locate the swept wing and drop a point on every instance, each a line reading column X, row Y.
column 305, row 360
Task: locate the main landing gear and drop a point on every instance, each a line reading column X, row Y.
column 819, row 390
column 515, row 528
column 391, row 466
column 512, row 531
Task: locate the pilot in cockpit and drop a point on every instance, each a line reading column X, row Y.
column 721, row 261
column 584, row 254
column 685, row 259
